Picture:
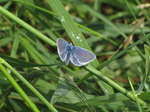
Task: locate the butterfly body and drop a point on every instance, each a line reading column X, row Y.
column 78, row 56
column 69, row 53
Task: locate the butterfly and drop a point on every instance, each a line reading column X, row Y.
column 78, row 56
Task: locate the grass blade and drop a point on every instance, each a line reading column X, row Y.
column 27, row 26
column 50, row 106
column 17, row 87
column 70, row 26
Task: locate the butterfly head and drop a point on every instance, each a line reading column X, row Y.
column 70, row 47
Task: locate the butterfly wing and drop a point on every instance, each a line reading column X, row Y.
column 74, row 60
column 82, row 56
column 62, row 49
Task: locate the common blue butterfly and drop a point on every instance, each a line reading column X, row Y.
column 78, row 56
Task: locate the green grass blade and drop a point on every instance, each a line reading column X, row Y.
column 104, row 19
column 98, row 35
column 49, row 105
column 123, row 51
column 17, row 87
column 70, row 26
column 147, row 57
column 5, row 41
column 16, row 62
column 113, row 84
column 135, row 96
column 147, row 68
column 117, row 55
column 27, row 26
column 15, row 46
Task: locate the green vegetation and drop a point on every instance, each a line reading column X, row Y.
column 33, row 77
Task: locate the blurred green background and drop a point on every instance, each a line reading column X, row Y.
column 32, row 76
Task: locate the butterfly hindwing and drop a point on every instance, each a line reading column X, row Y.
column 74, row 60
column 63, row 55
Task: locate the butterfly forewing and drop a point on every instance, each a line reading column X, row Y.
column 61, row 45
column 83, row 56
column 62, row 49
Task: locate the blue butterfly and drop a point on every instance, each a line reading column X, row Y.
column 78, row 56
